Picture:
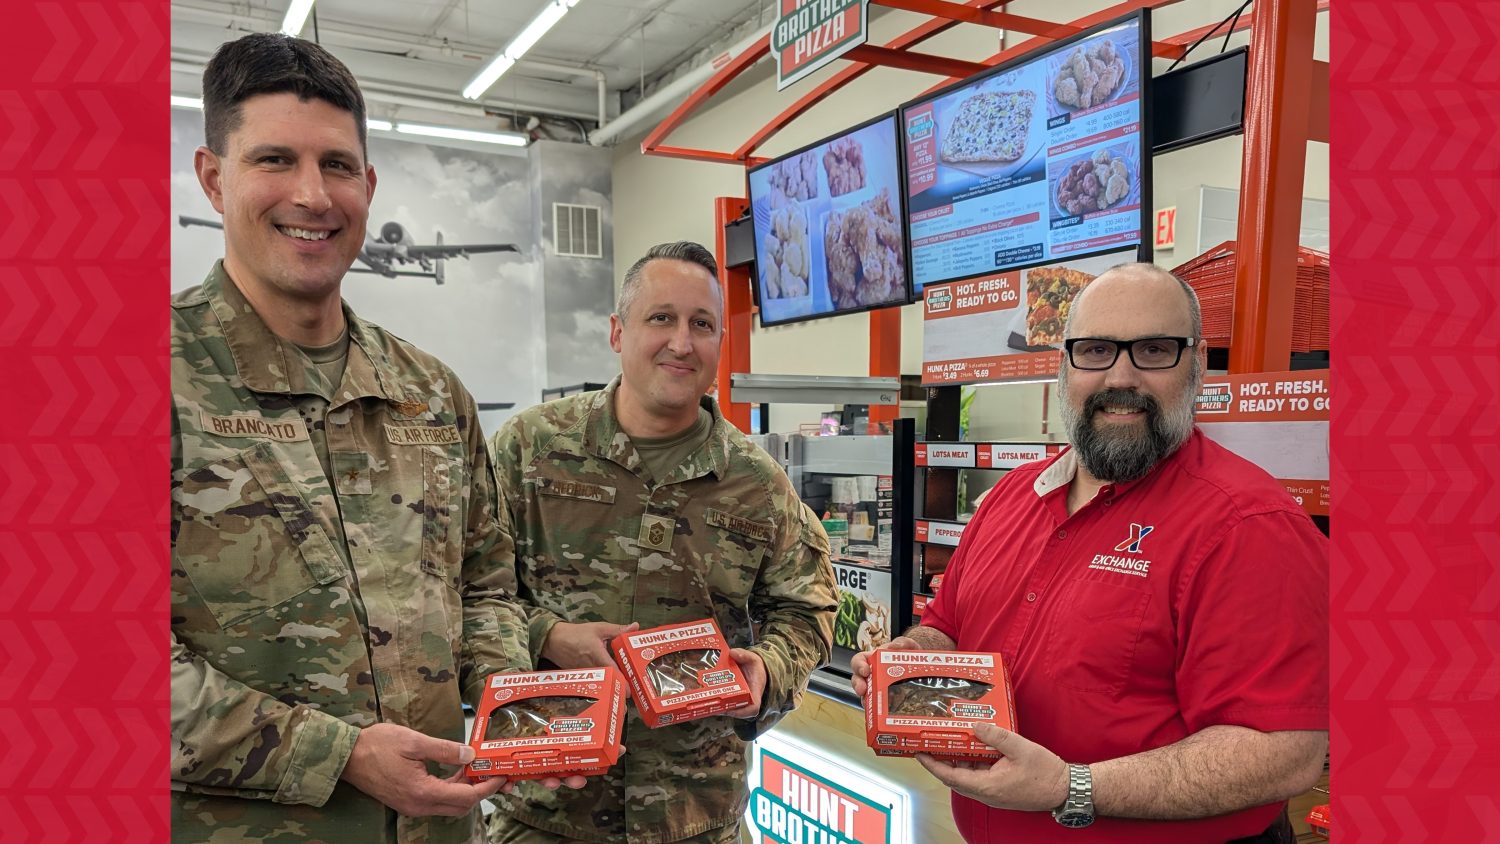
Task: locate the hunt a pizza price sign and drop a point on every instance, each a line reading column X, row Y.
column 809, row 34
column 1276, row 420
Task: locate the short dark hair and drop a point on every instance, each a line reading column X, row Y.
column 273, row 63
column 682, row 250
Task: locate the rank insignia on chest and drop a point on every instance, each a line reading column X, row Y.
column 656, row 532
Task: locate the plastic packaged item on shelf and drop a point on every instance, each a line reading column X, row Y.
column 548, row 724
column 929, row 701
column 860, row 530
column 680, row 672
column 838, row 536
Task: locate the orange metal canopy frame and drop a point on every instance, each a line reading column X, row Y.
column 1281, row 116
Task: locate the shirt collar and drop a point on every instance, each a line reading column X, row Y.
column 268, row 364
column 604, row 437
column 1064, row 468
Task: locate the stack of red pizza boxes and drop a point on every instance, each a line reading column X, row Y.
column 1212, row 278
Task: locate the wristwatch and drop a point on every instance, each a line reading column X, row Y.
column 1077, row 811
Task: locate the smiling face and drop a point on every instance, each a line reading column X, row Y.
column 1122, row 421
column 668, row 341
column 295, row 192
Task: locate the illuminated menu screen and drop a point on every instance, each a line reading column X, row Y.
column 829, row 227
column 1035, row 161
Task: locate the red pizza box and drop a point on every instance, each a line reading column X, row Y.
column 548, row 724
column 1320, row 820
column 929, row 701
column 680, row 672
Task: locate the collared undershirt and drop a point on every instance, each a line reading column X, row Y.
column 664, row 454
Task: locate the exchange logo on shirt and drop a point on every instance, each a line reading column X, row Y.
column 1134, row 566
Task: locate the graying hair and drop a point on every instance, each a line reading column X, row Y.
column 682, row 250
column 1195, row 311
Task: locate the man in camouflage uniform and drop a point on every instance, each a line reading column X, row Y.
column 640, row 505
column 339, row 574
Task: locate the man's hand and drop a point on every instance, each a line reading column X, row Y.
column 859, row 666
column 1028, row 777
column 754, row 670
column 388, row 763
column 583, row 645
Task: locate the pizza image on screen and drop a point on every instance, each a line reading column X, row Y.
column 990, row 126
column 1049, row 294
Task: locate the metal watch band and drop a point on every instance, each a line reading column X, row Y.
column 1078, row 809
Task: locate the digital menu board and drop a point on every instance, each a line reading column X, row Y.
column 829, row 237
column 1039, row 159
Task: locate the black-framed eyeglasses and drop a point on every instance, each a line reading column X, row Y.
column 1097, row 353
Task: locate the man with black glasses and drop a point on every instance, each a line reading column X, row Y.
column 1161, row 604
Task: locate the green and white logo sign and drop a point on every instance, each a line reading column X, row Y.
column 811, row 33
column 800, row 796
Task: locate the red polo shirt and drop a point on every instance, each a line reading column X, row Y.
column 1194, row 596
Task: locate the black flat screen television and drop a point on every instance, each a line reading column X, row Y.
column 829, row 232
column 1042, row 158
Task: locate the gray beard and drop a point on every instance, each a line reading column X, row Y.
column 1116, row 456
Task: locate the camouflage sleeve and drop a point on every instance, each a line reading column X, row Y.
column 494, row 628
column 230, row 739
column 507, row 449
column 795, row 601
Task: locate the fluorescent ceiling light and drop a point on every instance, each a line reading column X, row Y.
column 508, row 138
column 381, row 125
column 186, row 102
column 506, row 58
column 296, row 16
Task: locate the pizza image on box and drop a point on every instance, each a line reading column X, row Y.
column 1049, row 294
column 990, row 126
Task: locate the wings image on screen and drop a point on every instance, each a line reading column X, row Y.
column 829, row 231
column 1040, row 159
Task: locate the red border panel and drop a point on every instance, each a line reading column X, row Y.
column 83, row 444
column 1415, row 585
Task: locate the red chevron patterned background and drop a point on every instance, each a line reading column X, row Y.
column 83, row 438
column 1416, row 470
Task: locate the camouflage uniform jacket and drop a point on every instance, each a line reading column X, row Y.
column 739, row 546
column 285, row 639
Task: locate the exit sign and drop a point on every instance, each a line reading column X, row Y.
column 1166, row 227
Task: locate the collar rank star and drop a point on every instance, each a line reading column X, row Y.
column 1132, row 544
column 656, row 532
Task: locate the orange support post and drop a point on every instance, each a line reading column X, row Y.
column 734, row 284
column 885, row 360
column 1276, row 131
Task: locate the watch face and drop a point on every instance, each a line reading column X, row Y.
column 1075, row 819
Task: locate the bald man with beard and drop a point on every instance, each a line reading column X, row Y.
column 1160, row 602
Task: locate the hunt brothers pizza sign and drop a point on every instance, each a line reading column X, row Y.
column 811, row 33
